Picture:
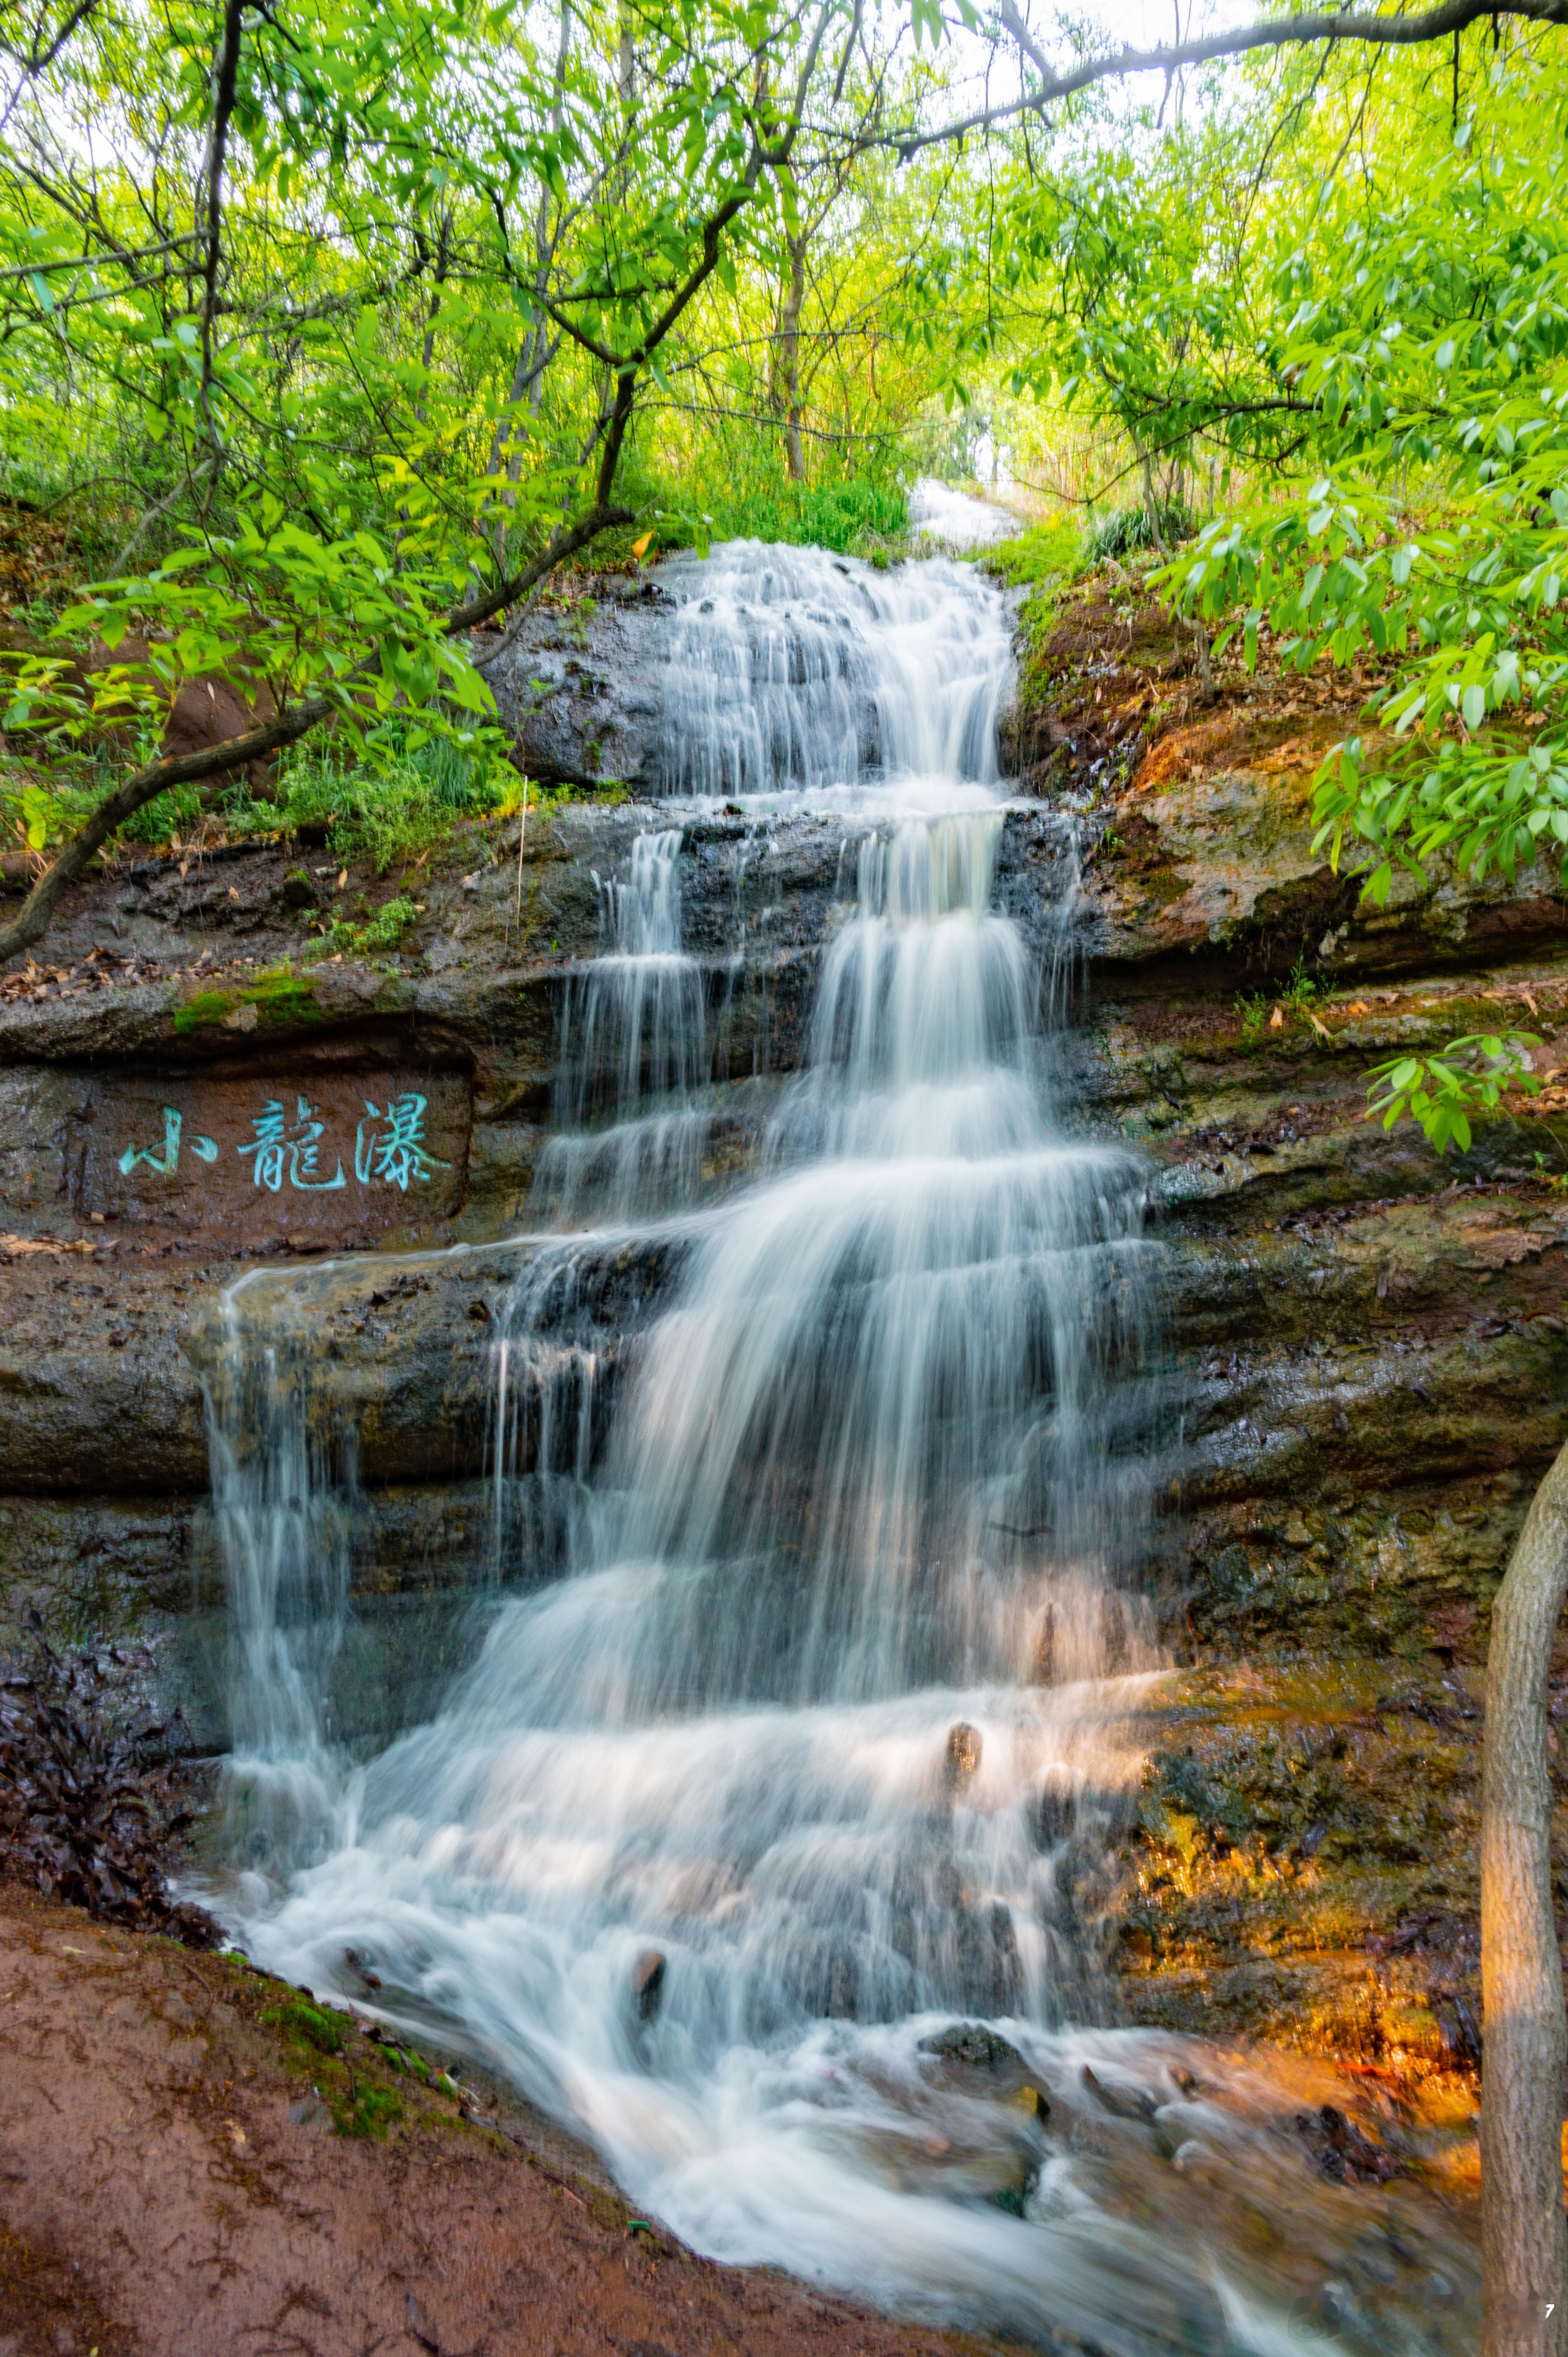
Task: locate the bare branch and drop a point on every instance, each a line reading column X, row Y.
column 95, row 261
column 1302, row 30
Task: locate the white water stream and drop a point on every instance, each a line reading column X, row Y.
column 812, row 1749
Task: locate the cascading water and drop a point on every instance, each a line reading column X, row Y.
column 793, row 672
column 634, row 1040
column 282, row 1482
column 807, row 1748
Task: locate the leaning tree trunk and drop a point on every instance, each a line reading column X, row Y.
column 785, row 389
column 1524, row 2246
column 789, row 345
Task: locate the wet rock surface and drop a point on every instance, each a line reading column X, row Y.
column 97, row 1789
column 580, row 687
column 193, row 2154
column 1364, row 1352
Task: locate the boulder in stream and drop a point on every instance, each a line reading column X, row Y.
column 648, row 1982
column 971, row 2042
column 963, row 1757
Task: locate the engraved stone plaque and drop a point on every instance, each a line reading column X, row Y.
column 329, row 1157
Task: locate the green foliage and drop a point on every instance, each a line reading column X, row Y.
column 1127, row 529
column 37, row 809
column 1442, row 1092
column 376, row 935
column 549, row 295
column 309, row 2029
column 1485, row 808
column 850, row 518
column 395, row 809
column 1295, row 996
column 1045, row 560
column 1391, row 346
column 1253, row 1013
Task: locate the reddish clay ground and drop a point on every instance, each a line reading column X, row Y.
column 170, row 2188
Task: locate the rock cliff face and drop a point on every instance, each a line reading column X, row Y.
column 580, row 687
column 1368, row 1360
column 1364, row 1355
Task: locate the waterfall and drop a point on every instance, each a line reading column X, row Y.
column 767, row 1839
column 794, row 671
column 634, row 1046
column 282, row 1495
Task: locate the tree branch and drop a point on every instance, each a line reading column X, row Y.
column 185, row 768
column 1298, row 31
column 225, row 82
column 96, row 261
column 32, row 918
column 760, row 158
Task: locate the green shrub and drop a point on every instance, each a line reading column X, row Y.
column 852, row 519
column 1046, row 561
column 1127, row 529
column 1253, row 1011
column 343, row 938
column 391, row 810
column 1043, row 558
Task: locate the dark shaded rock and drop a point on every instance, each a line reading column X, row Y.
column 1121, row 2102
column 1341, row 2150
column 96, row 1790
column 971, row 2042
column 648, row 1983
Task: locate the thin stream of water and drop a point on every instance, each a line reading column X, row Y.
column 809, row 1741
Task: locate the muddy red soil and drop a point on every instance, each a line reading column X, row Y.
column 171, row 2181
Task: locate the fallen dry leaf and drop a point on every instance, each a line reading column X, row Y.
column 13, row 1247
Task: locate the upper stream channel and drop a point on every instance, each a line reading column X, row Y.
column 763, row 1836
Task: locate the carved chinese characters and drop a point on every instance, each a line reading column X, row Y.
column 326, row 1155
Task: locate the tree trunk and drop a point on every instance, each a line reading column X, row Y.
column 1524, row 2246
column 784, row 387
column 789, row 359
column 785, row 359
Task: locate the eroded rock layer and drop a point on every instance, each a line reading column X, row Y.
column 1363, row 1360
